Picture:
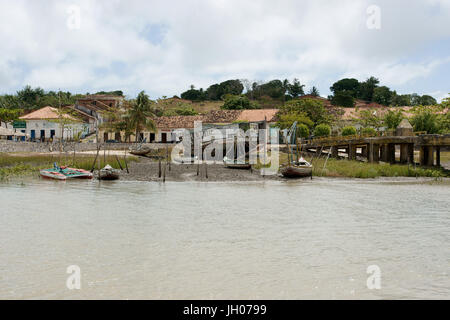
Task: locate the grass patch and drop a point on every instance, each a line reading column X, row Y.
column 23, row 164
column 356, row 169
column 364, row 170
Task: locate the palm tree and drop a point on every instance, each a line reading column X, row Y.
column 314, row 92
column 141, row 113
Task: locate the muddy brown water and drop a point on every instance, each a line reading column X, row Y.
column 231, row 240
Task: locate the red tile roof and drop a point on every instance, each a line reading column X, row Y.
column 46, row 113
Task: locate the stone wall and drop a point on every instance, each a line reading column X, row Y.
column 12, row 146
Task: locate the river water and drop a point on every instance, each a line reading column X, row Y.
column 271, row 240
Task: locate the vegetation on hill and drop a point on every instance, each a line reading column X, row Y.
column 346, row 91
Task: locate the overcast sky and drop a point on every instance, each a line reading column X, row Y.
column 163, row 47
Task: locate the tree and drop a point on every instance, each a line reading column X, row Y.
column 427, row 100
column 8, row 115
column 274, row 89
column 314, row 92
column 446, row 102
column 350, row 86
column 370, row 118
column 322, row 130
column 312, row 108
column 383, row 95
column 342, row 99
column 393, row 118
column 425, row 119
column 286, row 120
column 140, row 114
column 367, row 88
column 218, row 90
column 238, row 103
column 401, row 100
column 30, row 97
column 193, row 94
column 295, row 89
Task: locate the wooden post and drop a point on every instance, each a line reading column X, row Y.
column 167, row 157
column 376, row 153
column 159, row 166
column 125, row 160
column 410, row 153
column 334, row 152
column 198, row 167
column 430, row 156
column 404, row 153
column 370, row 157
column 352, row 152
column 391, row 153
column 422, row 155
column 118, row 162
column 383, row 153
column 438, row 156
column 164, row 172
column 206, row 170
column 365, row 151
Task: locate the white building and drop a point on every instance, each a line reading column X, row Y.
column 46, row 123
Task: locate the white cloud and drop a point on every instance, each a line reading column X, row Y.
column 207, row 41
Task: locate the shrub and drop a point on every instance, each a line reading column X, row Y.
column 348, row 131
column 322, row 130
column 238, row 103
column 302, row 131
column 368, row 131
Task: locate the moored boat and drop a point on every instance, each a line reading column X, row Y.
column 235, row 164
column 299, row 169
column 140, row 151
column 109, row 173
column 64, row 173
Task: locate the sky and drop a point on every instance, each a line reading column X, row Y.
column 163, row 47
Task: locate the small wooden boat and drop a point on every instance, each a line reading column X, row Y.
column 109, row 173
column 299, row 169
column 64, row 173
column 140, row 151
column 235, row 164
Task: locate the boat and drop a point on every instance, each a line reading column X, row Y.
column 297, row 169
column 140, row 151
column 64, row 173
column 235, row 164
column 109, row 173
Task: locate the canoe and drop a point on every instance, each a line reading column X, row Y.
column 108, row 173
column 235, row 164
column 140, row 151
column 232, row 165
column 296, row 171
column 299, row 169
column 64, row 173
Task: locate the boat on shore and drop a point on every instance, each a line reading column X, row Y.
column 298, row 169
column 108, row 173
column 236, row 164
column 140, row 152
column 64, row 173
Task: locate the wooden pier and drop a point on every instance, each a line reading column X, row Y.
column 376, row 149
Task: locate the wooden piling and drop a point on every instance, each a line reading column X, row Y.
column 438, row 156
column 118, row 162
column 159, row 168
